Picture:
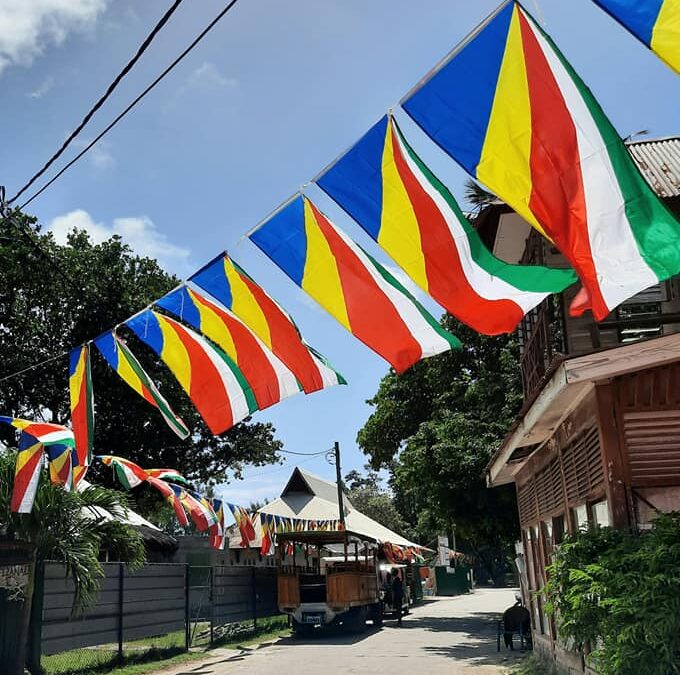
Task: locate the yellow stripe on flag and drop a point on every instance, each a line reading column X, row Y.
column 213, row 327
column 126, row 372
column 321, row 278
column 245, row 306
column 399, row 232
column 508, row 135
column 666, row 34
column 175, row 354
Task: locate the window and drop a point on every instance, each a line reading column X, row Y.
column 580, row 517
column 601, row 514
column 558, row 530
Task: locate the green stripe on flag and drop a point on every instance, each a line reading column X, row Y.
column 173, row 420
column 655, row 229
column 243, row 383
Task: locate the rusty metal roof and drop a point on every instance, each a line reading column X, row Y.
column 659, row 161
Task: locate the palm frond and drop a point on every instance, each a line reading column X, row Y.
column 73, row 528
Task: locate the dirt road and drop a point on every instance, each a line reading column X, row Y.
column 442, row 636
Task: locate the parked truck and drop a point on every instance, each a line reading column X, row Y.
column 334, row 579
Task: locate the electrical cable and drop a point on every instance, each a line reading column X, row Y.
column 148, row 89
column 110, row 89
column 301, row 454
column 5, row 215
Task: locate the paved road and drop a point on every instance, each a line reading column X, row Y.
column 445, row 635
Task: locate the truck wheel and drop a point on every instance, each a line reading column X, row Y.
column 355, row 620
column 302, row 629
column 377, row 614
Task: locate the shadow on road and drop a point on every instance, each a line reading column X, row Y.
column 473, row 637
column 330, row 635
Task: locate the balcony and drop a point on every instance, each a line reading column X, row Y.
column 547, row 334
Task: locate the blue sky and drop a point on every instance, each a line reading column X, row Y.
column 274, row 93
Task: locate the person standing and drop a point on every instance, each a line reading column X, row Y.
column 397, row 594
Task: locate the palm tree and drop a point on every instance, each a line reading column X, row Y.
column 477, row 196
column 73, row 528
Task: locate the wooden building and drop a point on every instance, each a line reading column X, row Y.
column 597, row 440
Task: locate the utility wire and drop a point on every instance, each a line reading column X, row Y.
column 301, row 454
column 5, row 213
column 111, row 88
column 117, row 119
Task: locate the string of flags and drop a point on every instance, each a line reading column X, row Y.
column 207, row 514
column 235, row 350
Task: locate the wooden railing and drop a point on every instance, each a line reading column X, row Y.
column 541, row 342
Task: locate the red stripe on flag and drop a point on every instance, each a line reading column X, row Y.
column 148, row 396
column 22, row 479
column 80, row 421
column 446, row 277
column 252, row 361
column 372, row 316
column 286, row 341
column 557, row 197
column 207, row 390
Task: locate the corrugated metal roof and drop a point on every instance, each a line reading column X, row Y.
column 659, row 161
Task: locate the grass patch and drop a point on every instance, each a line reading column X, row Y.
column 267, row 629
column 534, row 665
column 151, row 654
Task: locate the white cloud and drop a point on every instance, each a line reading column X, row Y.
column 99, row 155
column 139, row 232
column 209, row 75
column 42, row 88
column 28, row 27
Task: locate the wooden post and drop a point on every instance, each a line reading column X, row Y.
column 187, row 610
column 254, row 597
column 34, row 655
column 121, row 576
column 212, row 605
column 615, row 468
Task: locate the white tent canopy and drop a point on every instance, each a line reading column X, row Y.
column 309, row 497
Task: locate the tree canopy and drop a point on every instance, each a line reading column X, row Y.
column 54, row 297
column 368, row 495
column 435, row 428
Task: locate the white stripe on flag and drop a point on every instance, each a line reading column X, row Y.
column 621, row 270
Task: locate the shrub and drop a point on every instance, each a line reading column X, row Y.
column 619, row 593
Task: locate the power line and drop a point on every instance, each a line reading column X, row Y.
column 304, row 454
column 110, row 89
column 5, row 213
column 117, row 119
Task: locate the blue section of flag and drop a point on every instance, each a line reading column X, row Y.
column 180, row 304
column 213, row 279
column 355, row 180
column 106, row 344
column 454, row 106
column 638, row 16
column 146, row 328
column 284, row 240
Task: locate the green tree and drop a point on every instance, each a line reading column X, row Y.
column 55, row 297
column 367, row 495
column 65, row 527
column 435, row 427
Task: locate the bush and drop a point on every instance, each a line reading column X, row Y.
column 619, row 593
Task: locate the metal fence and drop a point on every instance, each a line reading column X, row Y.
column 158, row 610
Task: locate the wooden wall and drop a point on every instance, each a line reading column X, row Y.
column 566, row 472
